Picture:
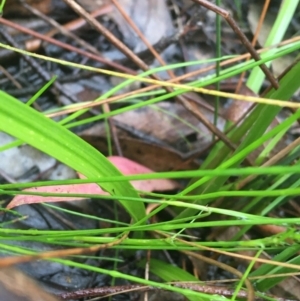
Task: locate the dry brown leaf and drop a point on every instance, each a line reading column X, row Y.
column 156, row 157
column 152, row 17
column 239, row 108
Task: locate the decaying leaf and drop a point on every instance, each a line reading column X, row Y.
column 129, row 167
column 151, row 155
column 149, row 16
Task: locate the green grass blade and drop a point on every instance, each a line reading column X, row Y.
column 51, row 138
column 279, row 28
column 169, row 273
column 266, row 269
column 264, row 115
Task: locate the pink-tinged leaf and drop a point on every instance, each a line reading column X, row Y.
column 89, row 188
column 129, row 167
column 126, row 166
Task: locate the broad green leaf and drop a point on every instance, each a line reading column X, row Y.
column 53, row 139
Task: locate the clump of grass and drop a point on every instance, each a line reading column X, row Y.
column 271, row 185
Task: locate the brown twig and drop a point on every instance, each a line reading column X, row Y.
column 142, row 37
column 225, row 14
column 65, row 29
column 123, row 48
column 39, row 70
column 255, row 37
column 67, row 46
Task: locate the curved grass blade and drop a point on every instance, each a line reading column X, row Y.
column 51, row 138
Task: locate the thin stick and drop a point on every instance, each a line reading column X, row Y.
column 255, row 37
column 226, row 15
